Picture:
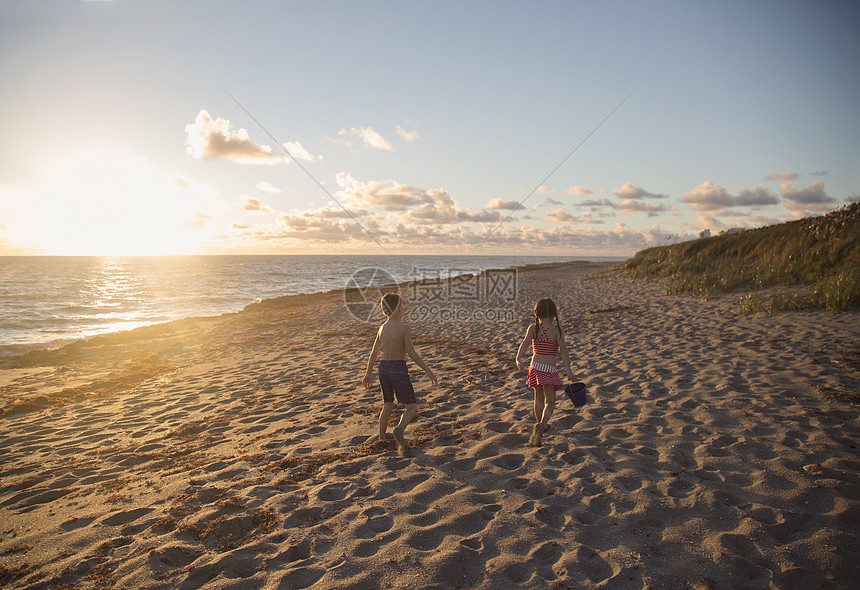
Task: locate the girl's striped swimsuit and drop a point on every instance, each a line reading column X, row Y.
column 540, row 373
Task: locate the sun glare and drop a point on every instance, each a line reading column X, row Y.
column 110, row 204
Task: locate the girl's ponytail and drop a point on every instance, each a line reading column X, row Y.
column 558, row 323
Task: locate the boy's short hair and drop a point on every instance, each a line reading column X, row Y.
column 390, row 302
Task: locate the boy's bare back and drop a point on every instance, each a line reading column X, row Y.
column 393, row 335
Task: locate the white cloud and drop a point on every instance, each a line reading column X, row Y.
column 407, row 135
column 760, row 196
column 198, row 221
column 589, row 218
column 628, row 191
column 370, row 137
column 810, row 200
column 441, row 208
column 596, row 204
column 269, row 188
column 298, row 151
column 391, row 195
column 560, row 216
column 212, row 139
column 499, row 203
column 578, row 191
column 252, row 205
column 409, row 203
column 543, row 190
column 785, row 176
column 184, row 182
column 710, row 197
column 637, row 206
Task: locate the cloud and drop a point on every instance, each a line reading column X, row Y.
column 268, row 188
column 252, row 205
column 371, row 138
column 498, row 203
column 186, row 183
column 628, row 191
column 308, row 228
column 785, row 176
column 198, row 222
column 560, row 216
column 391, row 195
column 328, row 213
column 809, row 200
column 407, row 135
column 589, row 218
column 409, row 203
column 548, row 201
column 543, row 190
column 212, row 139
column 298, row 151
column 418, row 230
column 755, row 198
column 578, row 191
column 637, row 206
column 709, row 197
column 596, row 204
column 441, row 208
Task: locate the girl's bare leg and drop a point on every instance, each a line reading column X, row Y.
column 549, row 405
column 537, row 431
column 384, row 417
column 539, row 403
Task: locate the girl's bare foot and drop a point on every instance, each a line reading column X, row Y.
column 537, row 432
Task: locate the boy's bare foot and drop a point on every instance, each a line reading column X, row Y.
column 401, row 443
column 537, row 432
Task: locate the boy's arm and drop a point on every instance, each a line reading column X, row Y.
column 565, row 356
column 526, row 341
column 374, row 352
column 413, row 354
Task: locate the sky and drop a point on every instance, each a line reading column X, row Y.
column 577, row 128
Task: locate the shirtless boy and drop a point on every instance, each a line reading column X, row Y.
column 394, row 340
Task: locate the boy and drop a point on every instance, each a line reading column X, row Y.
column 394, row 339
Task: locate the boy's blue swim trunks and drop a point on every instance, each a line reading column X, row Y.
column 394, row 378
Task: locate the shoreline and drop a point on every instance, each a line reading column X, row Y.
column 236, row 451
column 12, row 351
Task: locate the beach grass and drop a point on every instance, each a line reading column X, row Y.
column 811, row 263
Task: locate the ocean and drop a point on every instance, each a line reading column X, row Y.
column 48, row 301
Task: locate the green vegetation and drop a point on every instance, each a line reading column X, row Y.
column 812, row 263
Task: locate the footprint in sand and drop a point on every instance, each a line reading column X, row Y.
column 121, row 518
column 474, row 543
column 509, row 461
column 333, row 492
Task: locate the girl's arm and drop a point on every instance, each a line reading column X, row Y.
column 413, row 354
column 565, row 356
column 374, row 352
column 527, row 340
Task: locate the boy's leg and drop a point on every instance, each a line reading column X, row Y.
column 384, row 417
column 408, row 414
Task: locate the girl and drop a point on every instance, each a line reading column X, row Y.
column 547, row 340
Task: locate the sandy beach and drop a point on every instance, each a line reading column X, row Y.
column 717, row 450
